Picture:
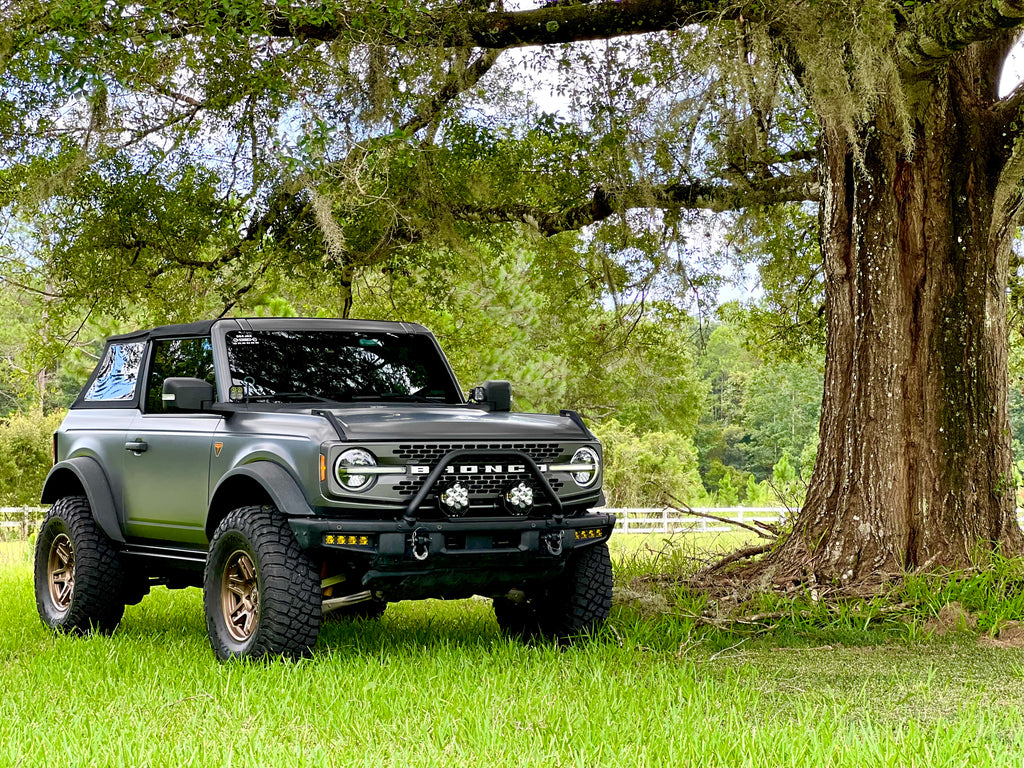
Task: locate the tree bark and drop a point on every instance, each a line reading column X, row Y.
column 914, row 465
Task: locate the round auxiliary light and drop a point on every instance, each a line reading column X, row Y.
column 519, row 499
column 455, row 499
column 346, row 469
column 586, row 455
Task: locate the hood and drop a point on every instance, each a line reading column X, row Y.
column 429, row 422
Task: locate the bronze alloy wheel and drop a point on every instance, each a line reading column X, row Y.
column 60, row 571
column 77, row 573
column 261, row 593
column 240, row 596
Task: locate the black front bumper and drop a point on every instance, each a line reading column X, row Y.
column 406, row 559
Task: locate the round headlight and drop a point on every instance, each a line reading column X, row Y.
column 346, row 469
column 586, row 455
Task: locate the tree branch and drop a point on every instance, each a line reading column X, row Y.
column 933, row 31
column 1006, row 109
column 458, row 81
column 540, row 26
column 253, row 236
column 714, row 197
column 936, row 31
column 29, row 288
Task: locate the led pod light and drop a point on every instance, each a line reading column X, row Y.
column 455, row 499
column 519, row 499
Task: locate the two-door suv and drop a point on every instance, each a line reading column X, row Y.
column 297, row 467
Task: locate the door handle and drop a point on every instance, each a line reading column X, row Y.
column 136, row 447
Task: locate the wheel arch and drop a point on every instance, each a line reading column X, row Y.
column 257, row 484
column 83, row 476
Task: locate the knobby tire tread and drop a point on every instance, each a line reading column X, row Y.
column 576, row 603
column 98, row 598
column 289, row 593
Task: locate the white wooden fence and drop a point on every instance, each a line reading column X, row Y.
column 668, row 520
column 19, row 522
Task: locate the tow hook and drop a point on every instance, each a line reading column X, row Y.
column 420, row 543
column 553, row 543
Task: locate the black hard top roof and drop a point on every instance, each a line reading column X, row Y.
column 203, row 327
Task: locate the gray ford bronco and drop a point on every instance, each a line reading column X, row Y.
column 297, row 468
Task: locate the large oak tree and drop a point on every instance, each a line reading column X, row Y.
column 916, row 171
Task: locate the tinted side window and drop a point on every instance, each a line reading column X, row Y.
column 117, row 374
column 177, row 357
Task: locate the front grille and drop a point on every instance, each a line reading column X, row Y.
column 480, row 485
column 485, row 489
column 431, row 453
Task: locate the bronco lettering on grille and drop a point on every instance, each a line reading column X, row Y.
column 476, row 469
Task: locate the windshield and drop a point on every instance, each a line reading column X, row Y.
column 337, row 366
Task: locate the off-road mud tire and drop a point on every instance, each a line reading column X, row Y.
column 284, row 585
column 71, row 546
column 576, row 603
column 518, row 617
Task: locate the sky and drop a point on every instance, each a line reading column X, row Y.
column 1013, row 70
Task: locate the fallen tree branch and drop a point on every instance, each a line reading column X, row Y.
column 686, row 509
column 739, row 554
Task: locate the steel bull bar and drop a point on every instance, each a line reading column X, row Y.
column 388, row 543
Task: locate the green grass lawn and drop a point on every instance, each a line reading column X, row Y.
column 434, row 683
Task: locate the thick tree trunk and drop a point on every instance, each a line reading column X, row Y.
column 914, row 465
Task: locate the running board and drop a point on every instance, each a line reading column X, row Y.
column 186, row 558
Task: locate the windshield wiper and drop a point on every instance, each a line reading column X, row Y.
column 290, row 397
column 397, row 396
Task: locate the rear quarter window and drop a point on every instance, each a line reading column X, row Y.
column 117, row 375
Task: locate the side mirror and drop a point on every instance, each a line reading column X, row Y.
column 181, row 393
column 496, row 395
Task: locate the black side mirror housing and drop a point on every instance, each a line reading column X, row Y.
column 181, row 393
column 496, row 395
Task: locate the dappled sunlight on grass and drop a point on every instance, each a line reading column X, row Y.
column 435, row 683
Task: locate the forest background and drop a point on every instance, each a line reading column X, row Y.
column 697, row 403
column 132, row 200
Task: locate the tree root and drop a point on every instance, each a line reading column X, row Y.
column 732, row 585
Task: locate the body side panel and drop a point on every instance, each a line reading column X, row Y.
column 167, row 486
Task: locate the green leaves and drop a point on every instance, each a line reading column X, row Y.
column 26, row 446
column 647, row 469
column 760, row 411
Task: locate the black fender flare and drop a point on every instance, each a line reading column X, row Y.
column 83, row 474
column 280, row 486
